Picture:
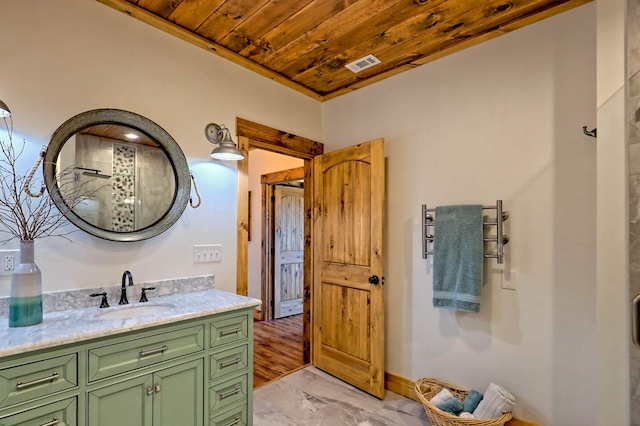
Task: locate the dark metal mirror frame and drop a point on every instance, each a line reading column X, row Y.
column 142, row 124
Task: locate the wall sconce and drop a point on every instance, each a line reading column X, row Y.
column 4, row 110
column 226, row 149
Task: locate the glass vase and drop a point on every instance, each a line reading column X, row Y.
column 25, row 301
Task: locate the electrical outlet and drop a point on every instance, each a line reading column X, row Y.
column 9, row 259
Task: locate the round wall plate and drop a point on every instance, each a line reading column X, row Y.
column 212, row 132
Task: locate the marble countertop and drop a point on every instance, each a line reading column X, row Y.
column 76, row 325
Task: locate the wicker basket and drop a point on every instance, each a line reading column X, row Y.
column 428, row 388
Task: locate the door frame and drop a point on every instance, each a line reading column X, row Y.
column 253, row 135
column 267, row 284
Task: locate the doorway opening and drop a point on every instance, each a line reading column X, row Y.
column 254, row 136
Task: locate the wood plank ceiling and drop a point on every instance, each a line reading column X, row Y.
column 305, row 44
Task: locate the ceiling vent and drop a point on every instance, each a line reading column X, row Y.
column 363, row 63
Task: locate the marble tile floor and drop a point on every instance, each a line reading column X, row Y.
column 311, row 397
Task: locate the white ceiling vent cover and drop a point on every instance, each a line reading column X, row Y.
column 363, row 63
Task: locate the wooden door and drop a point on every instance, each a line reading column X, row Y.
column 348, row 295
column 288, row 250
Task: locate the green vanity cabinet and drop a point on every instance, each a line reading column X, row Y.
column 197, row 371
column 59, row 413
column 171, row 396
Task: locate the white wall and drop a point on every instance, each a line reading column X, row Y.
column 62, row 57
column 613, row 329
column 260, row 163
column 501, row 120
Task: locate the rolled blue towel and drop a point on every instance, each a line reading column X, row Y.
column 453, row 406
column 471, row 401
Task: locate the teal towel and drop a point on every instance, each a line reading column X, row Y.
column 458, row 257
column 452, row 406
column 471, row 401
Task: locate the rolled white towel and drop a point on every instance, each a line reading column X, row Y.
column 466, row 415
column 497, row 401
column 442, row 396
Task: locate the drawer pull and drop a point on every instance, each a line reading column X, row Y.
column 229, row 332
column 233, row 423
column 53, row 422
column 159, row 350
column 230, row 393
column 51, row 378
column 229, row 363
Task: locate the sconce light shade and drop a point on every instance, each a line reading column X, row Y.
column 226, row 149
column 4, row 110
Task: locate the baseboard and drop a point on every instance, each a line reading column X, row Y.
column 405, row 387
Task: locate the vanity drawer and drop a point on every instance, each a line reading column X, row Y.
column 229, row 330
column 111, row 359
column 228, row 392
column 31, row 380
column 60, row 413
column 228, row 361
column 236, row 416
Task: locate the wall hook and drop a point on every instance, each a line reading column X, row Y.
column 592, row 133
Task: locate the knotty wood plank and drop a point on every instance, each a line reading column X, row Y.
column 331, row 28
column 231, row 14
column 161, row 8
column 358, row 32
column 277, row 349
column 270, row 139
column 191, row 14
column 242, row 235
column 251, row 29
column 307, row 279
column 297, row 25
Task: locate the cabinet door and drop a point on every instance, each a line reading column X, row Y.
column 128, row 403
column 179, row 395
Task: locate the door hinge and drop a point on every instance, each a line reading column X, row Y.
column 273, row 199
column 272, row 250
column 271, row 303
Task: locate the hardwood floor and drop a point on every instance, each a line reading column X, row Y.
column 277, row 348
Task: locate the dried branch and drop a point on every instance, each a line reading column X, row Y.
column 23, row 216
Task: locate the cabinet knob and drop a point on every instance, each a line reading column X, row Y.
column 149, row 391
column 158, row 388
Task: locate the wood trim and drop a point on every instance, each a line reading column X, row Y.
column 272, row 140
column 269, row 139
column 186, row 35
column 242, row 260
column 307, row 284
column 404, row 387
column 266, row 181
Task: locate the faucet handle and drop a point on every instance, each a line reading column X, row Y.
column 143, row 296
column 103, row 302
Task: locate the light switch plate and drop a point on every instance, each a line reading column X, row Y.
column 207, row 253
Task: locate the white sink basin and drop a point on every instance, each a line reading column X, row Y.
column 133, row 311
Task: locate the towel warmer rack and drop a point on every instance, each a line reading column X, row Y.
column 428, row 221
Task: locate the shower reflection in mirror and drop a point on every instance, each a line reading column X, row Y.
column 127, row 173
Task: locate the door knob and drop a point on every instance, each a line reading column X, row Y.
column 373, row 279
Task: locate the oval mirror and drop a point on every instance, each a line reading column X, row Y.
column 117, row 175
